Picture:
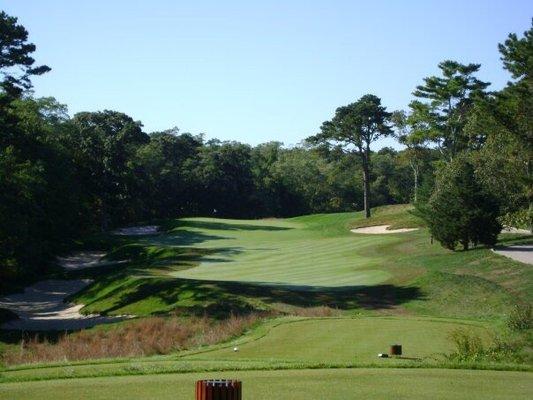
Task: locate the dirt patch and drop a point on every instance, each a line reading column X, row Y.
column 381, row 230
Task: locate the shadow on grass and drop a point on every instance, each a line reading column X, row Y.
column 225, row 226
column 219, row 299
column 150, row 260
column 514, row 238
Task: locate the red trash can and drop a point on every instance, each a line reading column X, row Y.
column 218, row 389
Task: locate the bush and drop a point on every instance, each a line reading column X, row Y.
column 460, row 210
column 520, row 318
column 469, row 347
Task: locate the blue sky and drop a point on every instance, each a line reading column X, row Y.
column 255, row 71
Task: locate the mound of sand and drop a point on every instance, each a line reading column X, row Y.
column 381, row 230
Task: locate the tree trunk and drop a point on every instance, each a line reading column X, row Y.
column 530, row 208
column 104, row 221
column 366, row 181
column 415, row 176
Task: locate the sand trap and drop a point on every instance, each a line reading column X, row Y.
column 86, row 259
column 81, row 260
column 381, row 230
column 42, row 307
column 137, row 230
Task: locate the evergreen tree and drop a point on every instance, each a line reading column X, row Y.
column 353, row 129
column 460, row 210
column 449, row 99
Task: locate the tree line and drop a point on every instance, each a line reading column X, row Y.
column 62, row 177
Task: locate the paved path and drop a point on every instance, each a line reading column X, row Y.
column 522, row 253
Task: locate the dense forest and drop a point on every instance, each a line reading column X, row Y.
column 65, row 176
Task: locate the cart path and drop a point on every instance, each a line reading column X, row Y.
column 519, row 252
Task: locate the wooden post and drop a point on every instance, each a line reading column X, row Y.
column 395, row 350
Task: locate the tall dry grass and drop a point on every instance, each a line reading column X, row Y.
column 144, row 337
column 319, row 311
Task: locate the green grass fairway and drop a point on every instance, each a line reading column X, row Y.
column 319, row 384
column 208, row 265
column 346, row 340
column 283, row 252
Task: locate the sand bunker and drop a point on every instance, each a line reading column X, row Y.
column 86, row 259
column 381, row 230
column 42, row 307
column 137, row 230
column 81, row 260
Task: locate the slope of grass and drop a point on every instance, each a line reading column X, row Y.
column 296, row 384
column 397, row 216
column 217, row 266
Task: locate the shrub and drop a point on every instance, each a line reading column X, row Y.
column 520, row 318
column 469, row 347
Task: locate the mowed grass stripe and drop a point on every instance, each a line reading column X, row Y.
column 303, row 255
column 317, row 384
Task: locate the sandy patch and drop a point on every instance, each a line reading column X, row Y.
column 381, row 230
column 522, row 253
column 137, row 230
column 42, row 307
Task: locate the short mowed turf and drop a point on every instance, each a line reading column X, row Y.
column 337, row 340
column 332, row 384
